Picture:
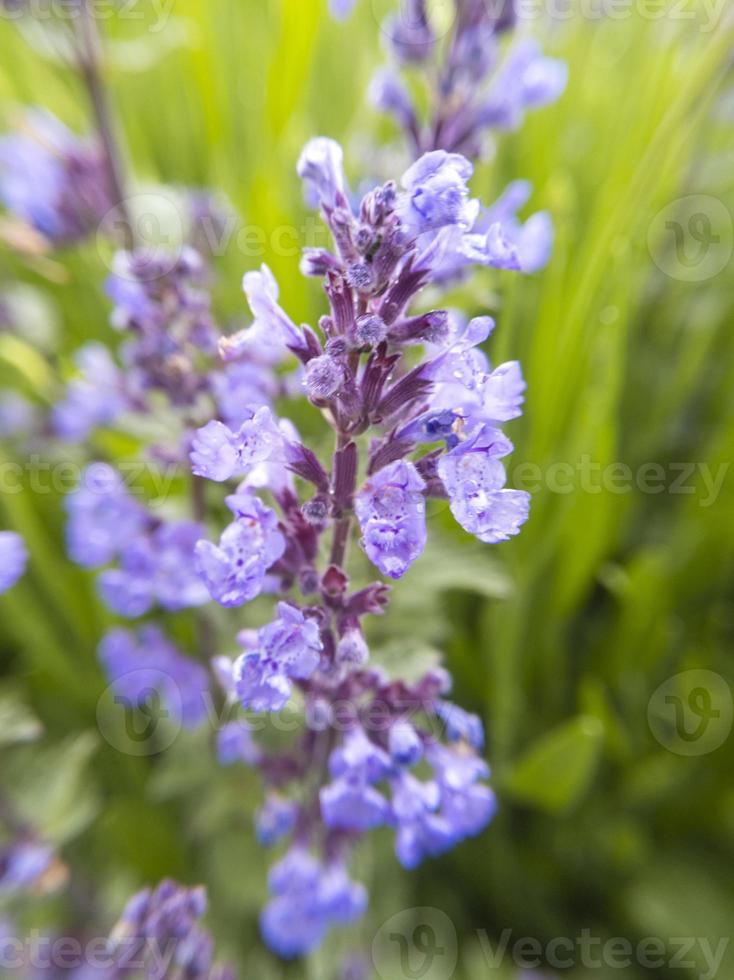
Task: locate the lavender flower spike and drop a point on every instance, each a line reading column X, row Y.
column 166, row 919
column 414, row 407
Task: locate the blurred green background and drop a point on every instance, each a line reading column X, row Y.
column 609, row 821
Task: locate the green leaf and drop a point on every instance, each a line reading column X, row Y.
column 53, row 789
column 557, row 771
column 17, row 721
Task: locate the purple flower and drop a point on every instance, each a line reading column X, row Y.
column 275, row 820
column 289, row 647
column 527, row 80
column 500, row 240
column 157, row 567
column 52, row 180
column 466, row 805
column 409, row 32
column 341, row 9
column 359, row 755
column 308, row 898
column 260, row 684
column 236, row 744
column 391, row 511
column 420, row 831
column 436, row 193
column 465, row 384
column 405, row 745
column 240, row 387
column 350, row 803
column 272, row 331
column 19, row 417
column 13, row 559
column 94, row 399
column 235, row 570
column 460, row 724
column 389, row 94
column 321, row 168
column 103, row 518
column 23, row 862
column 218, row 453
column 475, row 478
column 145, row 665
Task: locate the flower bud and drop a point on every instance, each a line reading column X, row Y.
column 324, row 377
column 352, row 649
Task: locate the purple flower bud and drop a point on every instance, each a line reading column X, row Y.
column 369, row 330
column 316, row 510
column 321, row 168
column 324, row 377
column 388, row 94
column 406, row 748
column 429, row 328
column 361, row 276
column 318, row 262
column 460, row 724
column 352, row 650
column 13, row 559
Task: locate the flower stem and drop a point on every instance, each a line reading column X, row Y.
column 90, row 50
